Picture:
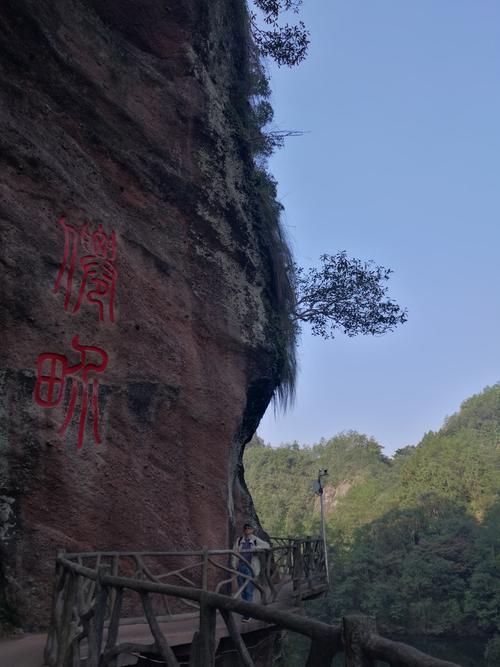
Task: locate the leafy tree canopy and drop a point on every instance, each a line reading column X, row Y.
column 286, row 44
column 346, row 294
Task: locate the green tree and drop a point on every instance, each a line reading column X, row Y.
column 286, row 44
column 346, row 294
column 414, row 539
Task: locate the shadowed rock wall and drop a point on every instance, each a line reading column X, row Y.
column 139, row 292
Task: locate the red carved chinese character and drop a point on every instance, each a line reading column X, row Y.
column 53, row 370
column 98, row 282
column 68, row 264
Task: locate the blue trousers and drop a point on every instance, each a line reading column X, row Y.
column 247, row 592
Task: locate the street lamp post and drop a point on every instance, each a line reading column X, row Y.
column 318, row 489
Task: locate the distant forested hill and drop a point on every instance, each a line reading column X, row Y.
column 414, row 539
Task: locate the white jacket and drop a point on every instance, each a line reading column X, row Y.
column 258, row 545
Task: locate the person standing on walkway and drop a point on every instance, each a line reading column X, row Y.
column 248, row 563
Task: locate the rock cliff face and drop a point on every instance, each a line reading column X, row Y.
column 141, row 303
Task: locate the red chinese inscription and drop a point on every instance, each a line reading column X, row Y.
column 89, row 259
column 54, row 371
column 87, row 275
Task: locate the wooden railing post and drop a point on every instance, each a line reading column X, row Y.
column 356, row 632
column 161, row 641
column 289, row 558
column 50, row 652
column 240, row 645
column 65, row 633
column 273, row 575
column 96, row 624
column 101, row 601
column 114, row 621
column 261, row 578
column 308, row 559
column 208, row 617
column 298, row 568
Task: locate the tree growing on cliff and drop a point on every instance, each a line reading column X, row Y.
column 286, row 44
column 346, row 294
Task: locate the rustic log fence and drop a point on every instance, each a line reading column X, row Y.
column 88, row 609
column 297, row 565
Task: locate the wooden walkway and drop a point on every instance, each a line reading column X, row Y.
column 27, row 650
column 198, row 634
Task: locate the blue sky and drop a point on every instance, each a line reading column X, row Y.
column 400, row 164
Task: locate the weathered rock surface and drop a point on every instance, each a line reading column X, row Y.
column 332, row 495
column 118, row 113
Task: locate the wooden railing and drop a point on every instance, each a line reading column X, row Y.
column 297, row 565
column 90, row 605
column 292, row 569
column 363, row 646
